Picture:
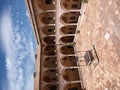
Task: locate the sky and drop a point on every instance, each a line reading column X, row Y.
column 17, row 46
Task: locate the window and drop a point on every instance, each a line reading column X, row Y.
column 50, row 30
column 73, row 18
column 53, row 88
column 69, row 46
column 67, row 0
column 70, row 32
column 73, row 88
column 70, row 28
column 74, row 6
column 54, row 79
column 49, row 18
column 76, row 0
column 52, row 53
column 72, row 69
column 48, row 1
column 53, row 70
column 53, row 61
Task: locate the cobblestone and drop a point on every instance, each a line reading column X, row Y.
column 100, row 27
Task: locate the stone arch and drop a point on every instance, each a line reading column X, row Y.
column 69, row 29
column 69, row 61
column 50, row 62
column 49, row 39
column 67, row 49
column 73, row 86
column 71, row 4
column 71, row 74
column 67, row 39
column 51, row 87
column 49, row 50
column 46, row 4
column 48, row 30
column 47, row 17
column 50, row 76
column 70, row 17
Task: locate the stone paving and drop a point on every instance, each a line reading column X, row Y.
column 101, row 27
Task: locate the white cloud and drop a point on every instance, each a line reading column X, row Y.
column 27, row 14
column 17, row 50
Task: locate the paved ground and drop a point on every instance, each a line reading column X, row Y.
column 101, row 27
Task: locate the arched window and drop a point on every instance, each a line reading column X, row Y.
column 73, row 86
column 71, row 4
column 48, row 30
column 51, row 87
column 71, row 74
column 70, row 17
column 69, row 61
column 67, row 39
column 50, row 76
column 70, row 29
column 68, row 49
column 50, row 62
column 47, row 18
column 49, row 39
column 49, row 50
column 46, row 4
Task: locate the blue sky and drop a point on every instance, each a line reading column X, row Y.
column 17, row 46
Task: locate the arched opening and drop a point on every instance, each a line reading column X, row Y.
column 69, row 61
column 50, row 62
column 67, row 49
column 67, row 39
column 48, row 17
column 49, row 30
column 46, row 4
column 51, row 87
column 73, row 86
column 49, row 40
column 50, row 76
column 70, row 29
column 71, row 4
column 71, row 74
column 50, row 50
column 70, row 17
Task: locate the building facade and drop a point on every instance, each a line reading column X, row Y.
column 77, row 44
column 54, row 23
